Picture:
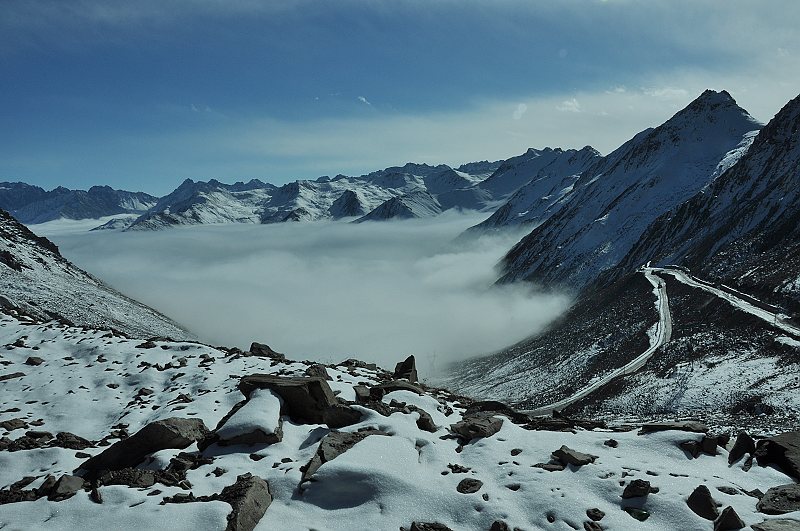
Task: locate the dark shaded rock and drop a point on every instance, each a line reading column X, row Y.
column 702, row 504
column 477, row 425
column 494, row 406
column 780, row 500
column 260, row 349
column 249, row 497
column 728, row 520
column 47, row 486
column 159, row 435
column 686, row 425
column 132, row 477
column 499, row 525
column 550, row 467
column 595, row 514
column 34, row 361
column 13, row 424
column 333, row 445
column 516, row 451
column 146, row 345
column 781, row 524
column 425, row 421
column 352, row 362
column 65, row 487
column 317, row 370
column 744, row 445
column 611, row 443
column 709, row 445
column 782, row 450
column 693, row 448
column 406, row 369
column 728, row 490
column 429, row 526
column 11, row 376
column 398, row 385
column 469, row 485
column 304, row 399
column 638, row 514
column 636, row 488
column 339, row 416
column 69, row 440
column 362, row 393
column 568, row 456
column 592, row 526
column 16, row 496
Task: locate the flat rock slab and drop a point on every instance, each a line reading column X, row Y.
column 781, row 500
column 568, row 456
column 782, row 450
column 687, row 425
column 478, row 425
column 159, row 435
column 304, row 399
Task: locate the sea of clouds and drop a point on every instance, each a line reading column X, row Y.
column 325, row 291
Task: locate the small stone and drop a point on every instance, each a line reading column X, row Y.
column 469, row 485
column 612, row 443
column 429, row 526
column 638, row 514
column 636, row 488
column 499, row 525
column 691, row 447
column 568, row 456
column 595, row 514
column 34, row 361
column 516, row 451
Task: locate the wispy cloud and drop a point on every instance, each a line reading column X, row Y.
column 520, row 111
column 377, row 291
column 570, row 105
column 364, row 100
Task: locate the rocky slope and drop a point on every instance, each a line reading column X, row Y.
column 32, row 204
column 37, row 279
column 415, row 204
column 743, row 228
column 193, row 437
column 613, row 202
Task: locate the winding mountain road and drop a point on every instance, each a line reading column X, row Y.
column 662, row 335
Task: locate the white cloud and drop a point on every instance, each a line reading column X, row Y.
column 376, row 291
column 520, row 111
column 666, row 93
column 570, row 105
column 363, row 100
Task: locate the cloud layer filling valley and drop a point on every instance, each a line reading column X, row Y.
column 326, row 291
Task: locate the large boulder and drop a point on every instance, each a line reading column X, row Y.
column 250, row 497
column 304, row 399
column 262, row 350
column 406, row 369
column 782, row 450
column 636, row 489
column 781, row 500
column 159, row 435
column 477, row 425
column 256, row 421
column 333, row 445
column 702, row 504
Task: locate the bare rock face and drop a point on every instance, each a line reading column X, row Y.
column 317, row 370
column 702, row 504
column 333, row 445
column 250, row 497
column 475, row 426
column 304, row 399
column 782, row 450
column 159, row 435
column 781, row 500
column 406, row 369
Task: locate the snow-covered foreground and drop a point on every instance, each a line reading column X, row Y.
column 88, row 382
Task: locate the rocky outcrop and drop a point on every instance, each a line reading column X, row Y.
column 477, row 426
column 568, row 456
column 159, row 435
column 781, row 500
column 304, row 399
column 333, row 445
column 406, row 369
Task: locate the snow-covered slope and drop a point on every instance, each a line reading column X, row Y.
column 415, row 204
column 389, row 455
column 32, row 204
column 614, row 201
column 744, row 227
column 35, row 277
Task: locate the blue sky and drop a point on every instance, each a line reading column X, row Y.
column 141, row 95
